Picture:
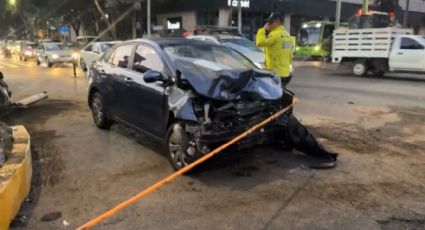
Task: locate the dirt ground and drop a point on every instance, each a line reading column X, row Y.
column 378, row 183
column 81, row 171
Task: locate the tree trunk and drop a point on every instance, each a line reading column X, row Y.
column 111, row 27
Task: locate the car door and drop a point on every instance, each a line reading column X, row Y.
column 408, row 55
column 118, row 71
column 147, row 99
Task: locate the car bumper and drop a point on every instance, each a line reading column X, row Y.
column 62, row 60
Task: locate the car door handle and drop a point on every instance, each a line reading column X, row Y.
column 400, row 53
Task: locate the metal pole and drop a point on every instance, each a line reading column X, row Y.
column 240, row 17
column 338, row 14
column 406, row 13
column 365, row 8
column 149, row 18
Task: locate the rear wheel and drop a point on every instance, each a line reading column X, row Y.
column 359, row 68
column 181, row 150
column 37, row 61
column 98, row 112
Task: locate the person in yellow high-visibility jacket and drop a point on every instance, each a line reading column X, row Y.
column 278, row 47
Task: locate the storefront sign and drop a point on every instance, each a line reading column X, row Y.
column 235, row 3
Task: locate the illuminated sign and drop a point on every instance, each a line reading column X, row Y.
column 235, row 3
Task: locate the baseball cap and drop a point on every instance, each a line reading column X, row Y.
column 273, row 16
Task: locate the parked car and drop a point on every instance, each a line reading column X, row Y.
column 239, row 43
column 191, row 95
column 94, row 51
column 84, row 40
column 27, row 51
column 53, row 53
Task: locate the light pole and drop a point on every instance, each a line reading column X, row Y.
column 406, row 13
column 240, row 17
column 149, row 17
column 365, row 8
column 338, row 14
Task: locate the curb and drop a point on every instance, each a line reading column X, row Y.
column 15, row 177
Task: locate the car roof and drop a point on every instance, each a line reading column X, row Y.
column 170, row 41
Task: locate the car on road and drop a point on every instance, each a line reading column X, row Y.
column 94, row 51
column 239, row 43
column 27, row 51
column 190, row 95
column 53, row 53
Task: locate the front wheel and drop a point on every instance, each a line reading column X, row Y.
column 180, row 150
column 98, row 112
column 359, row 68
column 83, row 65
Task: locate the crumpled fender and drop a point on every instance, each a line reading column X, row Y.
column 180, row 104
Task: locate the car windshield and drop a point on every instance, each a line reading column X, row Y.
column 105, row 46
column 55, row 47
column 310, row 35
column 240, row 42
column 210, row 55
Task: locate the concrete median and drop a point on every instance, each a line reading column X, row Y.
column 15, row 176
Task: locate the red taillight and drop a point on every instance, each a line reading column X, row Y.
column 360, row 12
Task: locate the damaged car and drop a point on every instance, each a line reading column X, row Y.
column 193, row 96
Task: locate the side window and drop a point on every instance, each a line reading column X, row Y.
column 95, row 48
column 88, row 48
column 109, row 56
column 410, row 44
column 122, row 56
column 146, row 58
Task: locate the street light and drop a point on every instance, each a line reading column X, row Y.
column 11, row 2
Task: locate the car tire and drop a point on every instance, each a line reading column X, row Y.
column 49, row 64
column 37, row 61
column 97, row 107
column 360, row 68
column 83, row 65
column 178, row 143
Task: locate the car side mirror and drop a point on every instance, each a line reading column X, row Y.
column 151, row 76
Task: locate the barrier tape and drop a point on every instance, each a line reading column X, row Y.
column 180, row 172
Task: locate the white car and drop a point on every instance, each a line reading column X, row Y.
column 53, row 53
column 94, row 51
column 238, row 43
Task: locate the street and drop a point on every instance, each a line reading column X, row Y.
column 377, row 125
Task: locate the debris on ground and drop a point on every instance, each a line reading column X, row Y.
column 51, row 216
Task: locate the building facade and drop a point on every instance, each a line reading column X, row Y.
column 188, row 14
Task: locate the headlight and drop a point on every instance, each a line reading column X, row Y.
column 297, row 49
column 55, row 56
column 317, row 48
column 75, row 55
column 28, row 53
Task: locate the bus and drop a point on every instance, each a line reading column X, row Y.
column 315, row 39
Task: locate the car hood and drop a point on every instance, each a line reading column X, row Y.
column 256, row 57
column 220, row 82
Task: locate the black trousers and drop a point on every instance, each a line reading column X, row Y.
column 285, row 81
column 298, row 137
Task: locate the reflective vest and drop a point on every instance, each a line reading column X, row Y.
column 278, row 48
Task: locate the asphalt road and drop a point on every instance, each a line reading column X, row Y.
column 376, row 124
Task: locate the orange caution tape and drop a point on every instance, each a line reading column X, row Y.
column 180, row 172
